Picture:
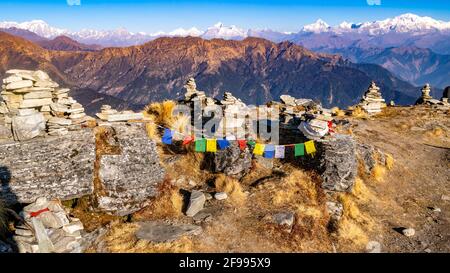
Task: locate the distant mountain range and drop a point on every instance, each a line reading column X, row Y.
column 253, row 69
column 367, row 42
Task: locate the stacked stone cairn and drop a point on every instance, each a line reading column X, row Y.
column 48, row 229
column 235, row 114
column 372, row 101
column 33, row 105
column 192, row 94
column 426, row 98
column 112, row 115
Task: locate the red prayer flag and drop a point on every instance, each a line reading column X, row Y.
column 242, row 144
column 188, row 139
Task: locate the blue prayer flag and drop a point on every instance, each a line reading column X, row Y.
column 223, row 143
column 269, row 151
column 167, row 137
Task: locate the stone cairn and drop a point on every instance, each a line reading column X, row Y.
column 235, row 113
column 192, row 94
column 48, row 229
column 33, row 105
column 372, row 101
column 112, row 115
column 426, row 98
column 304, row 115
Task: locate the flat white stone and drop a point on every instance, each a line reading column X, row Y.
column 73, row 227
column 60, row 121
column 30, row 103
column 19, row 85
column 12, row 79
column 125, row 117
column 38, row 95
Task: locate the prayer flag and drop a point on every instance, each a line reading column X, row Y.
column 188, row 139
column 200, row 145
column 223, row 143
column 251, row 143
column 211, row 145
column 231, row 137
column 269, row 151
column 299, row 149
column 242, row 144
column 167, row 137
column 310, row 148
column 279, row 151
column 259, row 149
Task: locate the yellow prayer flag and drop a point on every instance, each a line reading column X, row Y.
column 211, row 145
column 309, row 147
column 259, row 149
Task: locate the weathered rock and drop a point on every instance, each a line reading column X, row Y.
column 409, row 232
column 38, row 95
column 28, row 127
column 54, row 167
column 373, row 247
column 221, row 195
column 232, row 161
column 73, row 227
column 196, row 203
column 19, row 84
column 31, row 103
column 284, row 218
column 338, row 165
column 129, row 179
column 162, row 232
column 44, row 242
column 5, row 132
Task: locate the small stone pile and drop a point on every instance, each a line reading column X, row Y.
column 31, row 101
column 52, row 230
column 112, row 115
column 192, row 94
column 234, row 113
column 292, row 110
column 426, row 98
column 372, row 101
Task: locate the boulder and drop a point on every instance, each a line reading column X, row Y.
column 129, row 179
column 54, row 167
column 232, row 161
column 338, row 165
column 162, row 232
column 28, row 127
column 196, row 203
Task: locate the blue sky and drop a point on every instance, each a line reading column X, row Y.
column 151, row 16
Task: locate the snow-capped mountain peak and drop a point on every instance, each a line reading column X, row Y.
column 39, row 27
column 219, row 30
column 318, row 26
column 181, row 32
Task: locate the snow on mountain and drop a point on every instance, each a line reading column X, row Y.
column 317, row 27
column 224, row 32
column 406, row 23
column 194, row 32
column 39, row 27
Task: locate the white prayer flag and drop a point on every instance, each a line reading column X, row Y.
column 279, row 151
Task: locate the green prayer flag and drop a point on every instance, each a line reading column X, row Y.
column 299, row 149
column 200, row 145
column 252, row 143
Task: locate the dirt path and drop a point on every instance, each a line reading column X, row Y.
column 412, row 192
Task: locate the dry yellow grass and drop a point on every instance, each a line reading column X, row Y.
column 361, row 192
column 232, row 187
column 167, row 205
column 389, row 162
column 358, row 112
column 161, row 112
column 121, row 239
column 378, row 173
column 337, row 112
column 297, row 186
